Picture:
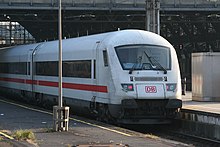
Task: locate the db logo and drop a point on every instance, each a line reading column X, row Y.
column 150, row 89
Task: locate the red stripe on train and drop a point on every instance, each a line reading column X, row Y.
column 13, row 80
column 75, row 86
column 48, row 83
column 86, row 87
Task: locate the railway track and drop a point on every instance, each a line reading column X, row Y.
column 171, row 133
column 187, row 138
column 192, row 139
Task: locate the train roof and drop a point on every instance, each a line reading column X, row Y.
column 115, row 38
column 16, row 53
column 88, row 43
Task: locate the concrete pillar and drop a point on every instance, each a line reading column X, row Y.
column 60, row 123
column 153, row 16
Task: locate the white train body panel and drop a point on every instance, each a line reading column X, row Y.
column 104, row 85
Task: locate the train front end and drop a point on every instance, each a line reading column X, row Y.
column 146, row 76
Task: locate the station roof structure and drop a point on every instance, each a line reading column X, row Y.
column 187, row 19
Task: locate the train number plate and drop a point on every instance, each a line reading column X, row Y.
column 150, row 89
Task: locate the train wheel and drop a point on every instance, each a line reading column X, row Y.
column 103, row 114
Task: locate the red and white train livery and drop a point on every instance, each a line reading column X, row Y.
column 128, row 76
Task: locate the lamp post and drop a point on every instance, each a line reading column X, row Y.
column 60, row 113
column 60, row 98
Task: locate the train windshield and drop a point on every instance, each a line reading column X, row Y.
column 144, row 57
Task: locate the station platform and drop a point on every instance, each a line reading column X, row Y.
column 206, row 107
column 82, row 132
column 200, row 118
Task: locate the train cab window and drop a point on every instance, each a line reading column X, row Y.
column 105, row 58
column 144, row 57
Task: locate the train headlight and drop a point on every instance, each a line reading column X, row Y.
column 127, row 87
column 171, row 87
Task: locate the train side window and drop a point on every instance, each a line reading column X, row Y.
column 78, row 68
column 4, row 67
column 105, row 58
column 47, row 68
column 14, row 68
column 94, row 66
column 28, row 68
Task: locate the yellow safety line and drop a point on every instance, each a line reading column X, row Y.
column 101, row 127
column 22, row 106
column 81, row 121
column 5, row 135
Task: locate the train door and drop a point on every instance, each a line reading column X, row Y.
column 99, row 76
column 94, row 75
column 101, row 73
column 29, row 70
column 33, row 69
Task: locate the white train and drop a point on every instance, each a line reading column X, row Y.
column 129, row 76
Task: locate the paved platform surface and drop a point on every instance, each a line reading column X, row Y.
column 81, row 132
column 188, row 103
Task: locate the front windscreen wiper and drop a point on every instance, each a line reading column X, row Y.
column 154, row 62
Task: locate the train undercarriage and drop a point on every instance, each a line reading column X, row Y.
column 131, row 111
